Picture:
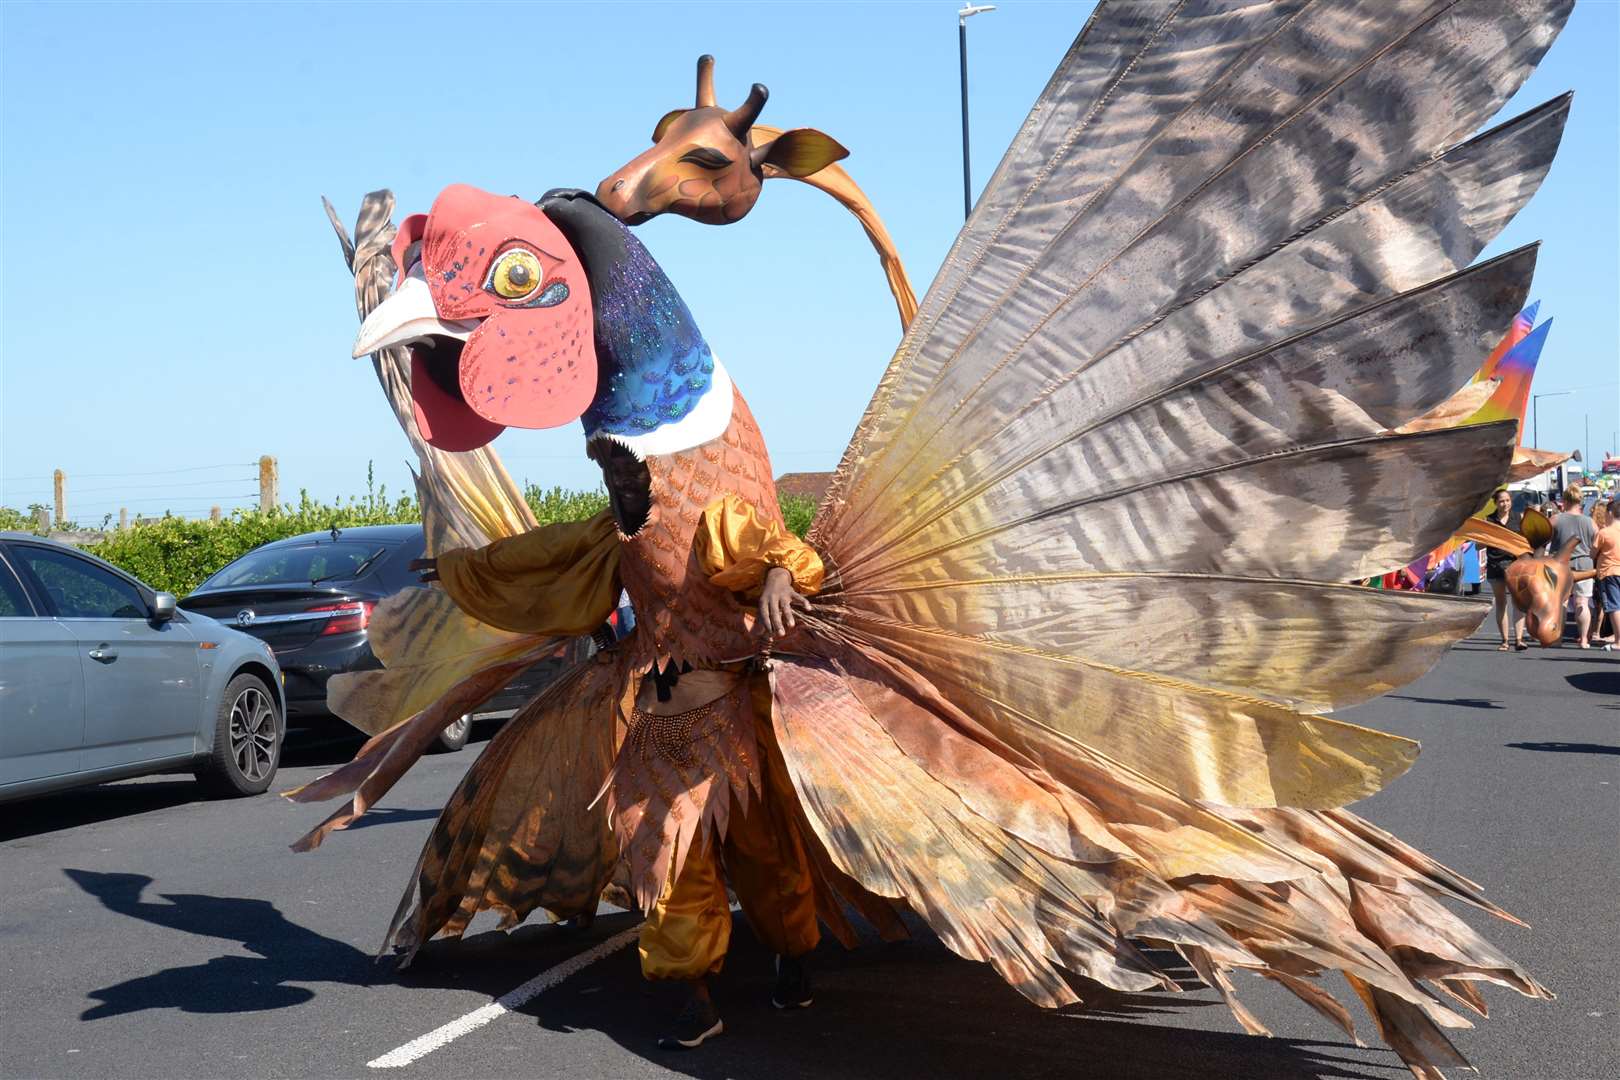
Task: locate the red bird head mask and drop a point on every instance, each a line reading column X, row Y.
column 494, row 304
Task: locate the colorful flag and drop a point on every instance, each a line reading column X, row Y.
column 1515, row 368
column 1517, row 332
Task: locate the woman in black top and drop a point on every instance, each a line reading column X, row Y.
column 1496, row 564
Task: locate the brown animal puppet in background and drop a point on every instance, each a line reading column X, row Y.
column 1540, row 587
column 702, row 165
column 1539, row 584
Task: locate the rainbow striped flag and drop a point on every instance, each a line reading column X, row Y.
column 1516, row 366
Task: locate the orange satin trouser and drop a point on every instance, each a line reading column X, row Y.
column 688, row 931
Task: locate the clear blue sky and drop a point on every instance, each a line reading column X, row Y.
column 173, row 298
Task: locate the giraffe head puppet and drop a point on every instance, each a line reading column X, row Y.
column 703, row 165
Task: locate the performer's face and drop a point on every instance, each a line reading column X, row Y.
column 628, row 483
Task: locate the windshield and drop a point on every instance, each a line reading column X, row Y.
column 300, row 565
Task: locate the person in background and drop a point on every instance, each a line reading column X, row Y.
column 1600, row 520
column 1571, row 524
column 1496, row 564
column 1471, row 562
column 1606, row 556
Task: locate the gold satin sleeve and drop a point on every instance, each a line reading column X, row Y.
column 559, row 580
column 735, row 546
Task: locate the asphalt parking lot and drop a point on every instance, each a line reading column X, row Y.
column 147, row 933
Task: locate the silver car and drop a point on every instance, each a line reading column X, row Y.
column 101, row 678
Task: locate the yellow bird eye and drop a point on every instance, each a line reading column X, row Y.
column 515, row 275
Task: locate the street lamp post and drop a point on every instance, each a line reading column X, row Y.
column 961, row 37
column 1535, row 428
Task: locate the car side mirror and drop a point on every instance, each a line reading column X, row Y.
column 162, row 606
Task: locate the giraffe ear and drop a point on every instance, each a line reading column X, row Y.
column 799, row 152
column 663, row 125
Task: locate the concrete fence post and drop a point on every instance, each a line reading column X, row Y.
column 42, row 520
column 268, row 496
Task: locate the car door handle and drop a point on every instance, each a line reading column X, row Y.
column 104, row 653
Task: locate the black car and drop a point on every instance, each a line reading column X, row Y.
column 311, row 597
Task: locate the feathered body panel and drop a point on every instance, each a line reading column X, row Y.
column 681, row 617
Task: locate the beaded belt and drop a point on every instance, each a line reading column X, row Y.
column 672, row 737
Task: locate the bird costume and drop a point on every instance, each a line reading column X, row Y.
column 1077, row 600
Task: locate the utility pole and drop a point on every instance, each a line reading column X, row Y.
column 961, row 38
column 60, row 486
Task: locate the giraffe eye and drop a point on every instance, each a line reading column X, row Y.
column 706, row 157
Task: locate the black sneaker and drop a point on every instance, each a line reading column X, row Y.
column 698, row 1022
column 792, row 990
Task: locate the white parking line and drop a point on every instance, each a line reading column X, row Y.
column 514, row 999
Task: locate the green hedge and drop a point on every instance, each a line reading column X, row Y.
column 176, row 554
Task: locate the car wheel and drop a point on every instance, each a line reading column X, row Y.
column 247, row 740
column 454, row 737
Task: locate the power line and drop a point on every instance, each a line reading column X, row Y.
column 154, row 472
column 1578, row 389
column 142, row 487
column 182, row 499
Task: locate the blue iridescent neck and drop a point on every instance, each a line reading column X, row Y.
column 659, row 388
column 657, row 369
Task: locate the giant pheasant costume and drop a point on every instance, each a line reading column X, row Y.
column 1076, row 591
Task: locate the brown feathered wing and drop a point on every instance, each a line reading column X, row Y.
column 1088, row 545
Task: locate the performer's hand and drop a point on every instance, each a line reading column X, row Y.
column 777, row 600
column 429, row 569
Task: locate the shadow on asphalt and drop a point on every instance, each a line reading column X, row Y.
column 1459, row 702
column 907, row 1008
column 88, row 805
column 285, row 953
column 1573, row 655
column 1567, row 653
column 883, row 1010
column 383, row 815
column 1566, row 747
column 315, row 748
column 106, row 802
column 1596, row 682
column 337, row 743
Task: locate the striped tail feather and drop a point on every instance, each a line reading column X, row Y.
column 1088, row 546
column 1311, row 645
column 1362, row 373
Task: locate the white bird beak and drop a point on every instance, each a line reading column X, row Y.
column 407, row 316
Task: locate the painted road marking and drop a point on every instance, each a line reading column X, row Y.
column 515, row 999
